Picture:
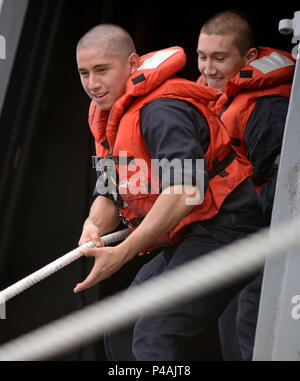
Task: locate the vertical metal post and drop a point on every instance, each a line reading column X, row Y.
column 278, row 327
column 12, row 14
column 1, row 3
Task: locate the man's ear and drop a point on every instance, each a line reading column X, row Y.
column 133, row 61
column 250, row 56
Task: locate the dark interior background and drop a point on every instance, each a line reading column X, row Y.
column 46, row 146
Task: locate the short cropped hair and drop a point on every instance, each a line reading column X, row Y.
column 114, row 38
column 236, row 23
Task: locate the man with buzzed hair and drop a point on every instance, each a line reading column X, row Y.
column 118, row 59
column 235, row 23
column 226, row 45
column 142, row 114
column 117, row 40
column 255, row 85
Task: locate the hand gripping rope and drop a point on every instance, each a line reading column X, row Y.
column 56, row 265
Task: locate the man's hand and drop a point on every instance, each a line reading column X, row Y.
column 103, row 218
column 90, row 232
column 108, row 260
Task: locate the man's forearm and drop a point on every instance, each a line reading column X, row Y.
column 166, row 212
column 104, row 214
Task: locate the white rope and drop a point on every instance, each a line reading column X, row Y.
column 197, row 277
column 56, row 265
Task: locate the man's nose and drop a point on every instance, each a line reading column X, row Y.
column 209, row 69
column 94, row 82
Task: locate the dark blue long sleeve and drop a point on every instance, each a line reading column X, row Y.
column 263, row 136
column 174, row 130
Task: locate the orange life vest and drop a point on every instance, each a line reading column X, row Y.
column 138, row 185
column 270, row 74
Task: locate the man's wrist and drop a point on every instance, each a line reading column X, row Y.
column 90, row 221
column 129, row 249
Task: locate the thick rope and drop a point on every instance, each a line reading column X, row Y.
column 56, row 265
column 195, row 278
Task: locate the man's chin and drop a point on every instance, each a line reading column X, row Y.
column 218, row 85
column 103, row 106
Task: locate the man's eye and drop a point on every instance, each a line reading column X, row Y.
column 83, row 73
column 220, row 59
column 202, row 58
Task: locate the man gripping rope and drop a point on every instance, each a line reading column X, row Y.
column 142, row 115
